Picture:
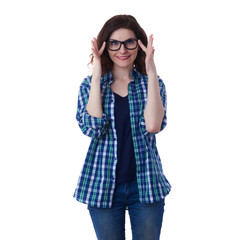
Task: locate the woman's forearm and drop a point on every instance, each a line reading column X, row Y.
column 94, row 106
column 154, row 111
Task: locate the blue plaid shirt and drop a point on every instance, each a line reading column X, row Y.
column 96, row 182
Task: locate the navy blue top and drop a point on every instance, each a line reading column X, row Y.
column 126, row 165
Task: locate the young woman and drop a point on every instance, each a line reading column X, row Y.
column 122, row 106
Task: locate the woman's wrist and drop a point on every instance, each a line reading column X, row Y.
column 96, row 77
column 152, row 74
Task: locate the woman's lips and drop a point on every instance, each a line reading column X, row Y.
column 123, row 57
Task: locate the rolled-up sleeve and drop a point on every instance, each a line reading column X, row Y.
column 93, row 127
column 163, row 94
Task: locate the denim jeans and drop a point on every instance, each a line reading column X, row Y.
column 145, row 219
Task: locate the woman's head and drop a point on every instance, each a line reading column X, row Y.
column 122, row 23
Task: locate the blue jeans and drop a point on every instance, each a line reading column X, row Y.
column 145, row 219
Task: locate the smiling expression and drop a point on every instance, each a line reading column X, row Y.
column 123, row 57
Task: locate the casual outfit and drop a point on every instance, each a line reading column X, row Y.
column 122, row 169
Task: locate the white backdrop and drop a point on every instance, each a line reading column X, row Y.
column 44, row 51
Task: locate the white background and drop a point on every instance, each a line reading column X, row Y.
column 44, row 51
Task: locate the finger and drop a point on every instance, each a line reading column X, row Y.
column 95, row 54
column 93, row 50
column 150, row 41
column 102, row 48
column 153, row 51
column 142, row 46
column 94, row 42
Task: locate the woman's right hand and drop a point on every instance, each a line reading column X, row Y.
column 97, row 68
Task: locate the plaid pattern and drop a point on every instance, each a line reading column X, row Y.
column 97, row 179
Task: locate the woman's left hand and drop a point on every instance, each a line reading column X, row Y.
column 149, row 50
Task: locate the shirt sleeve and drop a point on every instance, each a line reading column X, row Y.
column 163, row 95
column 93, row 127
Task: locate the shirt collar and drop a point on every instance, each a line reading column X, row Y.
column 108, row 77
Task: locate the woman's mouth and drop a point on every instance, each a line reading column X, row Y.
column 123, row 57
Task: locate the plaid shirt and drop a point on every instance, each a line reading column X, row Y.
column 97, row 179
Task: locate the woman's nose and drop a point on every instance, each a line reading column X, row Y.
column 122, row 49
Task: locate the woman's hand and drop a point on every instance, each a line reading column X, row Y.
column 97, row 68
column 149, row 50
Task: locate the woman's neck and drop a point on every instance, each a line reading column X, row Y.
column 123, row 74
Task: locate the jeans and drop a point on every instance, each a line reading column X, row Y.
column 145, row 219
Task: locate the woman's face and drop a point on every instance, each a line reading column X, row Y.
column 123, row 57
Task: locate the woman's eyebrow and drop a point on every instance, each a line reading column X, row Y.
column 111, row 39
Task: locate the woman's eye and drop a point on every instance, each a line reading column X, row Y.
column 130, row 41
column 114, row 43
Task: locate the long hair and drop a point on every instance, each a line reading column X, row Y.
column 114, row 23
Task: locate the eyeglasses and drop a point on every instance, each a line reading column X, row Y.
column 130, row 44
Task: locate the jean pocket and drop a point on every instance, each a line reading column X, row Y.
column 155, row 204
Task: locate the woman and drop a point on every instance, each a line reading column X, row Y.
column 121, row 107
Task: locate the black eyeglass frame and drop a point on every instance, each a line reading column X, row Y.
column 124, row 43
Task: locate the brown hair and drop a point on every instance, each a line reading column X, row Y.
column 114, row 23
